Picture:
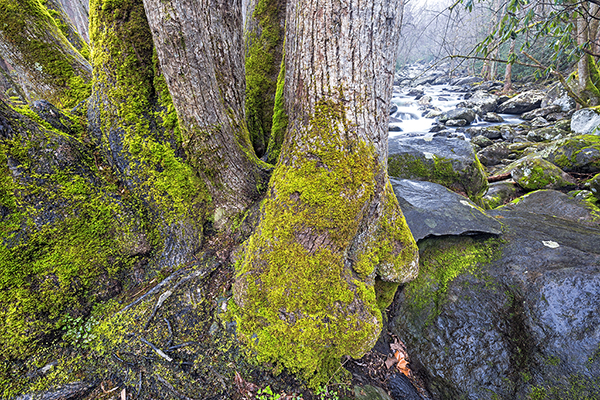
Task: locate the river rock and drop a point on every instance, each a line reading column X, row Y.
column 468, row 80
column 494, row 154
column 481, row 141
column 576, row 154
column 433, row 210
column 458, row 113
column 447, row 161
column 492, row 117
column 541, row 112
column 490, row 319
column 546, row 134
column 485, row 101
column 457, row 122
column 500, row 193
column 534, row 173
column 557, row 95
column 585, row 121
column 594, row 185
column 522, row 102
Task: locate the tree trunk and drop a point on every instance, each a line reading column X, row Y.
column 588, row 74
column 200, row 48
column 132, row 120
column 508, row 72
column 263, row 37
column 331, row 226
column 38, row 57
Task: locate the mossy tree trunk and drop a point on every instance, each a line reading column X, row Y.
column 263, row 39
column 200, row 48
column 331, row 226
column 134, row 124
column 587, row 70
column 38, row 57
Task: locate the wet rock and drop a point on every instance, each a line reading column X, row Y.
column 545, row 134
column 393, row 109
column 576, row 154
column 485, row 101
column 585, row 122
column 539, row 122
column 594, row 185
column 557, row 95
column 505, row 319
column 468, row 80
column 415, row 92
column 458, row 113
column 457, row 122
column 534, row 173
column 447, row 161
column 494, row 154
column 481, row 141
column 492, row 132
column 492, row 117
column 522, row 102
column 500, row 193
column 541, row 112
column 432, row 210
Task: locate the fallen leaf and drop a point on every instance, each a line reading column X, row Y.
column 391, row 361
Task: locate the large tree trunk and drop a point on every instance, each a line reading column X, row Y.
column 331, row 225
column 132, row 120
column 508, row 71
column 200, row 48
column 38, row 58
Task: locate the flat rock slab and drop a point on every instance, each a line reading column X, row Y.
column 432, row 210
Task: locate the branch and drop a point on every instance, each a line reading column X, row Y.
column 494, row 59
column 560, row 77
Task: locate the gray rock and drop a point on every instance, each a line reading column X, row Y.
column 401, row 388
column 557, row 95
column 500, row 193
column 541, row 112
column 481, row 141
column 492, row 132
column 534, row 173
column 522, row 102
column 492, row 117
column 457, row 122
column 447, row 161
column 432, row 210
column 458, row 113
column 485, row 101
column 585, row 122
column 494, row 154
column 469, row 80
column 507, row 318
column 545, row 134
column 575, row 154
column 52, row 115
column 369, row 392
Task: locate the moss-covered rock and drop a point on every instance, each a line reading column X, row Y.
column 449, row 162
column 576, row 154
column 534, row 173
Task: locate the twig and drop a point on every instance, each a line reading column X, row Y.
column 497, row 178
column 171, row 388
column 157, row 350
column 178, row 346
column 170, row 332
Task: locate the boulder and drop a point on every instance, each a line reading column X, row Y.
column 494, row 154
column 481, row 141
column 492, row 132
column 492, row 117
column 500, row 193
column 448, row 161
column 512, row 318
column 534, row 173
column 558, row 96
column 433, row 210
column 458, row 113
column 522, row 102
column 485, row 101
column 468, row 80
column 576, row 154
column 585, row 122
column 53, row 116
column 546, row 134
column 541, row 112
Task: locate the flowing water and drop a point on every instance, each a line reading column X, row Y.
column 445, row 97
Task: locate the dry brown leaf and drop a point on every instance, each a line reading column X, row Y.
column 391, row 361
column 402, row 365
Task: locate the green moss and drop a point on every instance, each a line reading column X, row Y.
column 262, row 66
column 140, row 111
column 440, row 170
column 385, row 292
column 280, row 119
column 442, row 261
column 44, row 50
column 294, row 289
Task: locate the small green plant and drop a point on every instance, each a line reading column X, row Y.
column 78, row 330
column 267, row 394
column 323, row 393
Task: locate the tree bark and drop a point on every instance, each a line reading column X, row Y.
column 200, row 48
column 508, row 71
column 38, row 57
column 588, row 74
column 263, row 39
column 331, row 226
